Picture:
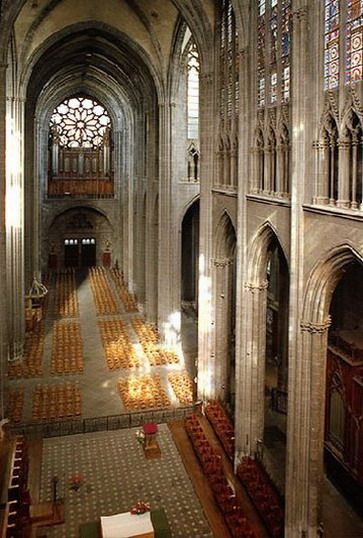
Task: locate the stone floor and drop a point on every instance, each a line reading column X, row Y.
column 114, row 483
column 98, row 385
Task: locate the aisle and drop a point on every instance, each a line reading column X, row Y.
column 88, row 364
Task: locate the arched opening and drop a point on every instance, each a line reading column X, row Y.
column 225, row 324
column 276, row 364
column 190, row 252
column 333, row 284
column 189, row 284
column 79, row 237
column 343, row 438
column 80, row 158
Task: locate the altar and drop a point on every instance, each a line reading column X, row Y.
column 127, row 525
column 115, row 524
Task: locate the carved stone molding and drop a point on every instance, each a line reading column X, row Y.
column 253, row 287
column 300, row 14
column 222, row 262
column 206, row 78
column 315, row 328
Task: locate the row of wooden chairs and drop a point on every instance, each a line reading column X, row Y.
column 67, row 351
column 182, row 386
column 15, row 404
column 31, row 364
column 119, row 351
column 263, row 494
column 127, row 299
column 102, row 292
column 233, row 513
column 56, row 401
column 222, row 426
column 144, row 392
column 149, row 337
column 66, row 301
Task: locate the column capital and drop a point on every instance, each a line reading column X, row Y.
column 222, row 262
column 256, row 286
column 206, row 78
column 314, row 327
column 300, row 13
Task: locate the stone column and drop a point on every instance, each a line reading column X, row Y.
column 165, row 284
column 206, row 301
column 268, row 168
column 343, row 174
column 322, row 173
column 308, row 488
column 3, row 283
column 252, row 374
column 255, row 174
column 14, row 227
column 302, row 353
column 280, row 170
column 222, row 287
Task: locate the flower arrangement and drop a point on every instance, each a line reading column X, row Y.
column 140, row 508
column 76, row 481
column 140, row 436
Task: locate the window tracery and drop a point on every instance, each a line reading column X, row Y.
column 80, row 122
column 193, row 91
column 343, row 39
column 340, row 161
column 80, row 148
column 273, row 52
column 271, row 143
column 228, row 96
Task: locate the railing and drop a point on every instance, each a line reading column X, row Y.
column 97, row 188
column 111, row 422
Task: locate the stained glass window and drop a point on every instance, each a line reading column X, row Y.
column 193, row 91
column 285, row 49
column 261, row 47
column 273, row 51
column 229, row 66
column 331, row 58
column 80, row 122
column 354, row 41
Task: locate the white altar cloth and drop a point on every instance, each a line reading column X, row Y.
column 126, row 525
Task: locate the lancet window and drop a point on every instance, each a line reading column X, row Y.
column 343, row 42
column 228, row 97
column 271, row 143
column 340, row 166
column 193, row 91
column 273, row 51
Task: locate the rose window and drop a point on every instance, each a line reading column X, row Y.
column 80, row 122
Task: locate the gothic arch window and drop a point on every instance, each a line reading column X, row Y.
column 193, row 91
column 273, row 52
column 273, row 39
column 259, row 161
column 80, row 149
column 343, row 38
column 193, row 163
column 352, row 138
column 228, row 92
column 328, row 165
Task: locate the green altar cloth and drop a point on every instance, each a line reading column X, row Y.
column 92, row 529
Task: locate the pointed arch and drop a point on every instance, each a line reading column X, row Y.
column 262, row 242
column 323, row 280
column 225, row 237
